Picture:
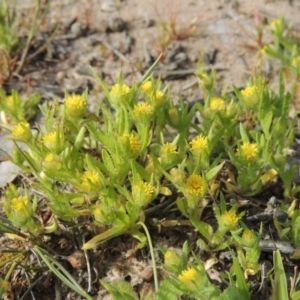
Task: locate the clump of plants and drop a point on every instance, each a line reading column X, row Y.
column 106, row 169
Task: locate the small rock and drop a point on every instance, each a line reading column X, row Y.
column 77, row 260
column 77, row 29
column 147, row 273
column 108, row 5
column 115, row 25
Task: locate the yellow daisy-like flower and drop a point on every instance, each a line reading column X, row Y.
column 22, row 131
column 216, row 104
column 19, row 203
column 190, row 278
column 50, row 137
column 91, row 177
column 250, row 151
column 250, row 95
column 169, row 148
column 142, row 187
column 147, row 86
column 75, row 105
column 53, row 140
column 230, row 220
column 142, row 109
column 134, row 142
column 198, row 144
column 120, row 89
column 195, row 185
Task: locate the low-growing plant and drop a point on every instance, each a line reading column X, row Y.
column 105, row 169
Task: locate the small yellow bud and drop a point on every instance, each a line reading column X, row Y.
column 147, row 86
column 250, row 96
column 250, row 151
column 190, row 279
column 174, row 116
column 199, row 144
column 249, row 238
column 142, row 192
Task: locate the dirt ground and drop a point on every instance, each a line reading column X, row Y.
column 113, row 36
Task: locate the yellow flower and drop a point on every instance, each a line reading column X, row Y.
column 22, row 131
column 91, row 177
column 142, row 109
column 52, row 162
column 250, row 95
column 190, row 278
column 178, row 176
column 250, row 151
column 19, row 203
column 195, row 185
column 230, row 220
column 54, row 141
column 249, row 238
column 50, row 137
column 75, row 105
column 120, row 89
column 174, row 116
column 140, row 190
column 169, row 148
column 158, row 99
column 147, row 86
column 198, row 144
column 172, row 259
column 168, row 152
column 296, row 62
column 216, row 104
column 133, row 141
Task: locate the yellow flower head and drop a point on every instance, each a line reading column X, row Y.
column 169, row 148
column 147, row 86
column 296, row 62
column 174, row 116
column 168, row 152
column 90, row 178
column 50, row 137
column 52, row 162
column 249, row 238
column 195, row 185
column 19, row 203
column 172, row 259
column 216, row 104
column 22, row 131
column 118, row 89
column 142, row 189
column 230, row 220
column 250, row 151
column 54, row 141
column 158, row 99
column 250, row 95
column 134, row 142
column 75, row 105
column 198, row 144
column 190, row 278
column 142, row 109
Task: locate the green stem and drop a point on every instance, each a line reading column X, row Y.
column 152, row 255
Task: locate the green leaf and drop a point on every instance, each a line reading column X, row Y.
column 244, row 134
column 266, row 123
column 107, row 235
column 279, row 284
column 240, row 280
column 214, row 171
column 120, row 290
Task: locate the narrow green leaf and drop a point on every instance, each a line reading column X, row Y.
column 279, row 290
